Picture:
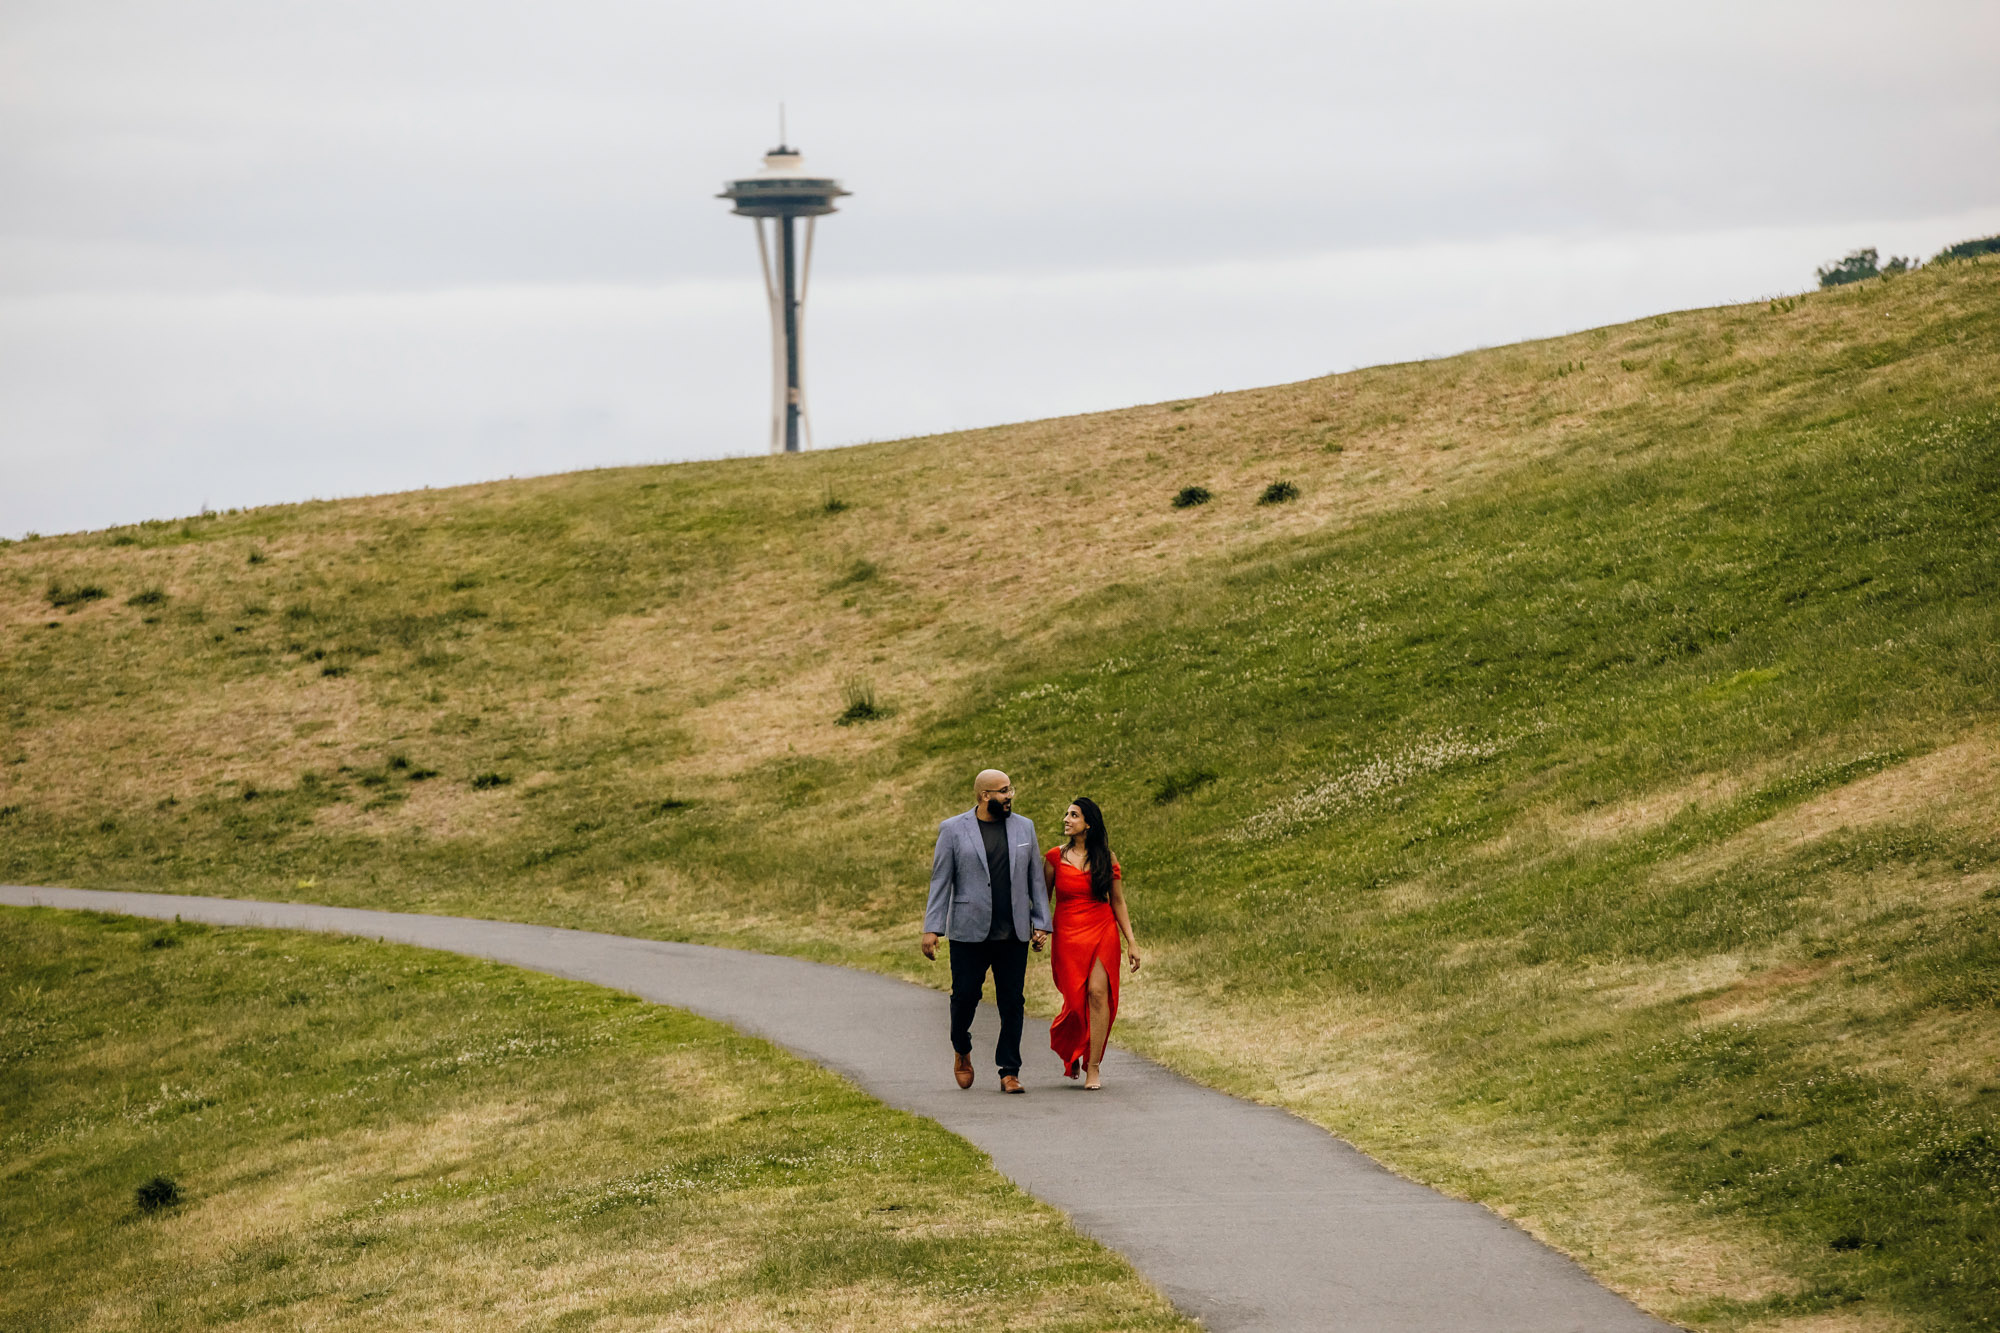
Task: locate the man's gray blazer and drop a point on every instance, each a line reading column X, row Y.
column 961, row 901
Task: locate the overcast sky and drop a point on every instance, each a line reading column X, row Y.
column 253, row 252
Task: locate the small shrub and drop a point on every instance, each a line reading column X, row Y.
column 69, row 597
column 147, row 597
column 332, row 669
column 422, row 774
column 7, row 812
column 256, row 557
column 861, row 571
column 859, row 695
column 832, row 504
column 1277, row 493
column 125, row 539
column 158, row 1193
column 1190, row 496
column 399, row 761
column 488, row 781
column 1176, row 785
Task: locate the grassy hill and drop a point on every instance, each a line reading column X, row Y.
column 366, row 1136
column 1584, row 795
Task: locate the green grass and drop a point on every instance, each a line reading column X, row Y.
column 371, row 1136
column 1582, row 793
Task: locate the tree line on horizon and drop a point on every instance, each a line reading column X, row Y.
column 1860, row 265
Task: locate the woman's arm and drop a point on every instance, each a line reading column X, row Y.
column 1124, row 921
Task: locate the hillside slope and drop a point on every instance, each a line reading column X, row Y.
column 1583, row 795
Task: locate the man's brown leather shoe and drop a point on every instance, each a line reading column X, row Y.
column 1008, row 1083
column 961, row 1069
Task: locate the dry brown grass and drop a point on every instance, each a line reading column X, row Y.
column 747, row 661
column 1643, row 814
column 1955, row 784
column 1851, row 1320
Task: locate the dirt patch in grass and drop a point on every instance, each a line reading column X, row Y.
column 1643, row 814
column 1959, row 784
column 1956, row 786
column 1760, row 989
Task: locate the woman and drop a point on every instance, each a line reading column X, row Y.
column 1089, row 892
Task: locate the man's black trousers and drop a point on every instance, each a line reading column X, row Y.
column 970, row 960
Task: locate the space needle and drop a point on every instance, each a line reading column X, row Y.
column 784, row 191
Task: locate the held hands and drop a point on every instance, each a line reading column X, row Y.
column 929, row 943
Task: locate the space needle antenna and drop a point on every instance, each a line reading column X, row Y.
column 783, row 192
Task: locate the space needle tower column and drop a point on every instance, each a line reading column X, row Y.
column 784, row 191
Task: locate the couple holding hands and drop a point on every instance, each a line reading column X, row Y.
column 990, row 897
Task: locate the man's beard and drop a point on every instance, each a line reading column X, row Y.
column 996, row 808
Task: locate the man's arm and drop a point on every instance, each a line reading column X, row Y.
column 1038, row 888
column 937, row 909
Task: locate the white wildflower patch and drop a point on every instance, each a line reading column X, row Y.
column 1356, row 786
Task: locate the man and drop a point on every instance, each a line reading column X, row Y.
column 989, row 900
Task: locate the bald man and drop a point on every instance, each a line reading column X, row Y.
column 988, row 899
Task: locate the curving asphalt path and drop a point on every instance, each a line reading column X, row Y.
column 1245, row 1216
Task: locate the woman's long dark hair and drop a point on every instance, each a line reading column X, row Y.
column 1096, row 848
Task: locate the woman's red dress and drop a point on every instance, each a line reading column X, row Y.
column 1085, row 932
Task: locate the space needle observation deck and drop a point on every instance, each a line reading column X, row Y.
column 783, row 192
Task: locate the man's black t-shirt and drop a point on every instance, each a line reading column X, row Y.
column 1000, row 878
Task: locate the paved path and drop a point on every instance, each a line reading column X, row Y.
column 1245, row 1216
